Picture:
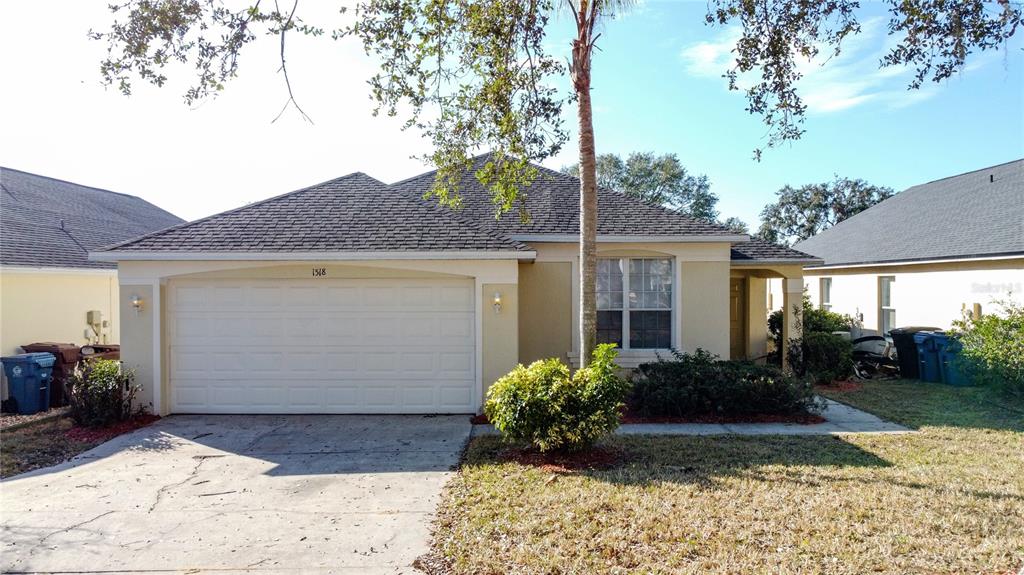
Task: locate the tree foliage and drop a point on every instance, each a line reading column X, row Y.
column 660, row 180
column 933, row 37
column 799, row 213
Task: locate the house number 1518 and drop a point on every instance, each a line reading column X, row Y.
column 319, row 272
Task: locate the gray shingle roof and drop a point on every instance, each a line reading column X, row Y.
column 980, row 213
column 758, row 250
column 552, row 202
column 351, row 213
column 45, row 222
column 359, row 213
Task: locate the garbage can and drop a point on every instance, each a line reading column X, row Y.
column 67, row 355
column 951, row 368
column 928, row 366
column 906, row 349
column 28, row 379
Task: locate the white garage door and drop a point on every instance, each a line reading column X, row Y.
column 321, row 346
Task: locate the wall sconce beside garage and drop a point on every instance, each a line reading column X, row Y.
column 497, row 302
column 137, row 303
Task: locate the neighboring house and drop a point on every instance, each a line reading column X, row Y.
column 353, row 296
column 47, row 282
column 926, row 255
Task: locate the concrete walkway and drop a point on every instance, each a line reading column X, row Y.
column 840, row 419
column 234, row 494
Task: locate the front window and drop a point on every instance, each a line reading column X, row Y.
column 886, row 311
column 826, row 294
column 634, row 302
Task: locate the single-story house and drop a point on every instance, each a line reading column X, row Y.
column 354, row 296
column 48, row 284
column 926, row 255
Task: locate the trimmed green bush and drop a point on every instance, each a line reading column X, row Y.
column 813, row 320
column 101, row 393
column 545, row 406
column 993, row 347
column 700, row 384
column 826, row 357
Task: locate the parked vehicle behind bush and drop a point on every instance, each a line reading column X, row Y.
column 700, row 384
column 101, row 392
column 544, row 405
column 993, row 347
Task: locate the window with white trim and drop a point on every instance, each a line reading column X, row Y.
column 634, row 302
column 886, row 309
column 825, row 294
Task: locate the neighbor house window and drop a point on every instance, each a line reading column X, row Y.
column 825, row 293
column 886, row 310
column 634, row 302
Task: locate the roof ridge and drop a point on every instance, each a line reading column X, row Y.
column 52, row 179
column 234, row 210
column 961, row 174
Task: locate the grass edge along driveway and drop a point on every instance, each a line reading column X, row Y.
column 949, row 499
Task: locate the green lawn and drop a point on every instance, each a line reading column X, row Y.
column 949, row 499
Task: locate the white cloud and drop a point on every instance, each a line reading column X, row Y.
column 829, row 83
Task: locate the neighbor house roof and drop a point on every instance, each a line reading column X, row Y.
column 45, row 222
column 357, row 213
column 350, row 213
column 973, row 215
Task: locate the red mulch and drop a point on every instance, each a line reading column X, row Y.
column 843, row 386
column 92, row 435
column 564, row 462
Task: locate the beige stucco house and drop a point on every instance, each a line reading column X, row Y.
column 48, row 284
column 927, row 255
column 354, row 296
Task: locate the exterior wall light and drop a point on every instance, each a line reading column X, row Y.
column 137, row 303
column 497, row 302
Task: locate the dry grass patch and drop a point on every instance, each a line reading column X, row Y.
column 39, row 445
column 947, row 500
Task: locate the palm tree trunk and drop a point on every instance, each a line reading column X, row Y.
column 581, row 52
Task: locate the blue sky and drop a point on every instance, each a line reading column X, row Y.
column 657, row 87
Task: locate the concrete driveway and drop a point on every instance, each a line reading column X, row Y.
column 310, row 494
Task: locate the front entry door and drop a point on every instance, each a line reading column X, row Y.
column 737, row 318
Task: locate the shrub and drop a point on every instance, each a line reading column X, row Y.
column 546, row 407
column 700, row 384
column 993, row 347
column 101, row 393
column 825, row 357
column 813, row 320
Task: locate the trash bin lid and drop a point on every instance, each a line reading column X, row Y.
column 42, row 358
column 923, row 336
column 65, row 352
column 913, row 329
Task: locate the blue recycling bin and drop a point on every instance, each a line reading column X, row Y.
column 28, row 380
column 929, row 367
column 950, row 367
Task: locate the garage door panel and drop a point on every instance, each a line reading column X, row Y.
column 322, row 346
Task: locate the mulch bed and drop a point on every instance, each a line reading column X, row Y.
column 598, row 457
column 100, row 434
column 843, row 386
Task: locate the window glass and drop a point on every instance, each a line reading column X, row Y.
column 826, row 293
column 886, row 311
column 637, row 293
